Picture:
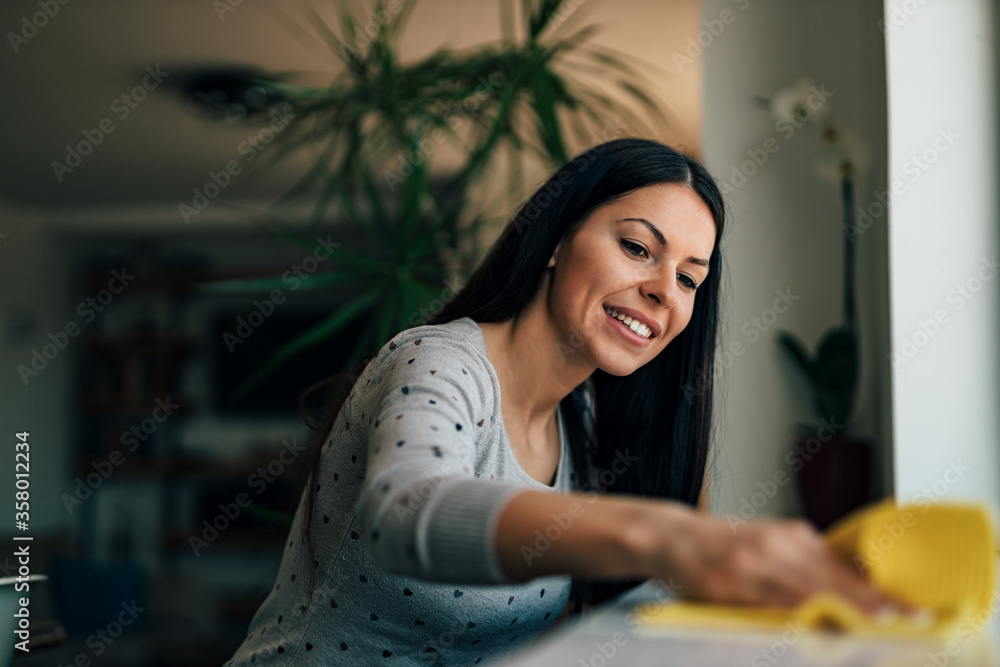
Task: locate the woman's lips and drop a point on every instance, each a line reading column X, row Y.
column 627, row 333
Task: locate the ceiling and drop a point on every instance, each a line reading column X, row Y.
column 68, row 77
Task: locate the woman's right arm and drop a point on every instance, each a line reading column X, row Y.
column 423, row 513
column 764, row 562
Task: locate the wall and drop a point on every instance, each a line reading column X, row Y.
column 943, row 247
column 785, row 232
column 656, row 38
column 33, row 305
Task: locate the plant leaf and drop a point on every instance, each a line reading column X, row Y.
column 320, row 332
column 791, row 344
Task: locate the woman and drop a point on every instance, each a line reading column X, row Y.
column 443, row 524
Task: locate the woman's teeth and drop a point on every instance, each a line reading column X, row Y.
column 635, row 325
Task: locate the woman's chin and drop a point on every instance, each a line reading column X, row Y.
column 619, row 367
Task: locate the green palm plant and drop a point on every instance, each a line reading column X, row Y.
column 404, row 228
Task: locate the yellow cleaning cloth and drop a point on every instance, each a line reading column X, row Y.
column 938, row 556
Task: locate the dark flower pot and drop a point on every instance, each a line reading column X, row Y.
column 833, row 476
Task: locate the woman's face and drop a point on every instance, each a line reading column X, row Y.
column 641, row 255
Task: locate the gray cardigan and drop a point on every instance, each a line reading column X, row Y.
column 411, row 483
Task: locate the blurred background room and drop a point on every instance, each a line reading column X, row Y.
column 207, row 206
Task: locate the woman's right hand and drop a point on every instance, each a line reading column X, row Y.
column 765, row 562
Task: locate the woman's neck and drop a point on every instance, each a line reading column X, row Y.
column 534, row 375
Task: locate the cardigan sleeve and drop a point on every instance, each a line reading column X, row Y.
column 423, row 511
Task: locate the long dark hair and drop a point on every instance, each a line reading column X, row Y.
column 663, row 410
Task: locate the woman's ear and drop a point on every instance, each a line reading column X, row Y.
column 552, row 259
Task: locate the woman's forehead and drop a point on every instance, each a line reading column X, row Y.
column 668, row 207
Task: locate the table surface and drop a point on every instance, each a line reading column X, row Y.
column 609, row 636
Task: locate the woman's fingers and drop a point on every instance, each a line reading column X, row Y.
column 775, row 563
column 809, row 566
column 862, row 592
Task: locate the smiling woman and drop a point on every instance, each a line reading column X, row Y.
column 474, row 470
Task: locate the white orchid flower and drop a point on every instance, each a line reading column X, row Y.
column 799, row 103
column 844, row 154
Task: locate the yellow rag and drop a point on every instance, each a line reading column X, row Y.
column 937, row 556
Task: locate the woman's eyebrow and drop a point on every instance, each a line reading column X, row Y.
column 663, row 242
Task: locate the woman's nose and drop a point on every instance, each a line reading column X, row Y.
column 663, row 289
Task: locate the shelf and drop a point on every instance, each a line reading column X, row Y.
column 233, row 538
column 183, row 280
column 129, row 404
column 241, row 609
column 161, row 342
column 187, row 467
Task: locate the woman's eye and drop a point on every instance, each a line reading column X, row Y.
column 689, row 282
column 633, row 248
column 637, row 250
